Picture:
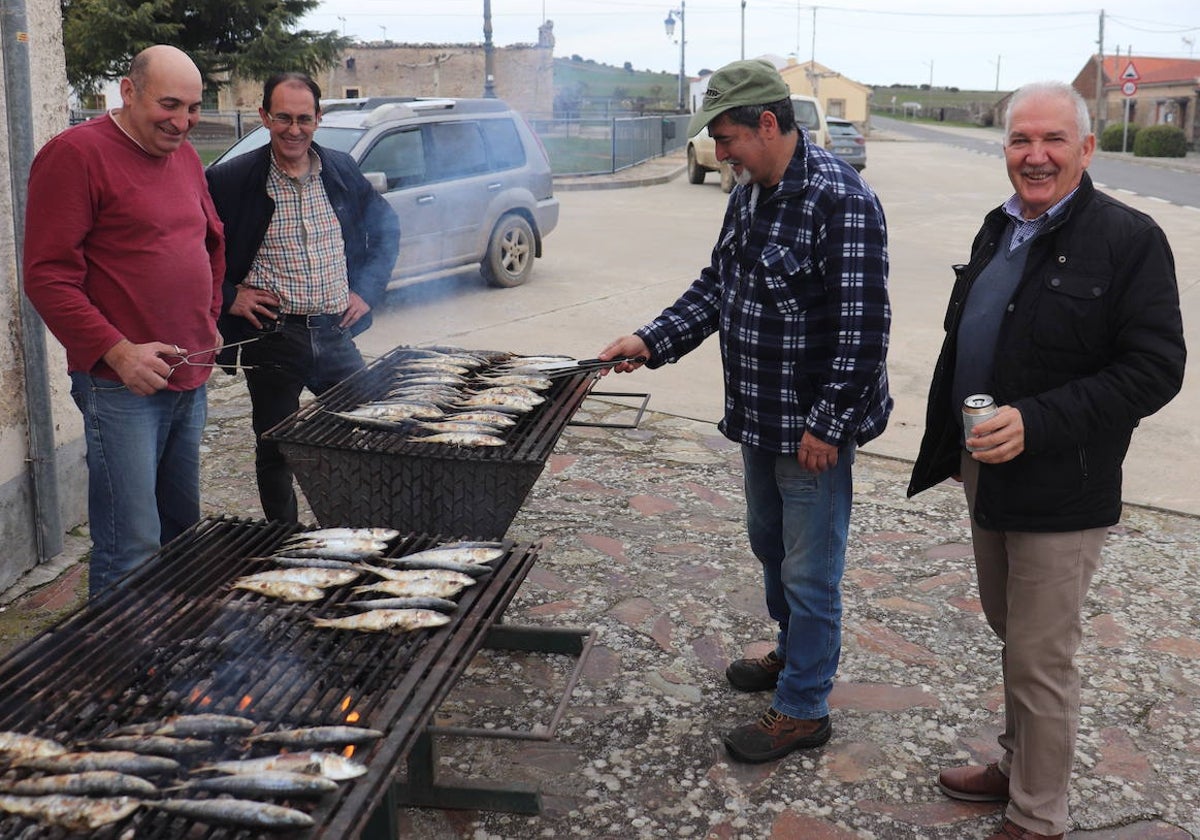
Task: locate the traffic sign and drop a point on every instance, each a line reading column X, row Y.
column 1129, row 88
column 1131, row 73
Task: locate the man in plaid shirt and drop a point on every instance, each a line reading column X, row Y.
column 797, row 291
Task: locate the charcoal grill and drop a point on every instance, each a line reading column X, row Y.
column 353, row 473
column 174, row 638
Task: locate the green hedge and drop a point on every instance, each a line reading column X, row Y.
column 1160, row 141
column 1110, row 139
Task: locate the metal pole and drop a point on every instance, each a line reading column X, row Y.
column 14, row 40
column 743, row 30
column 1099, row 120
column 682, row 47
column 489, row 67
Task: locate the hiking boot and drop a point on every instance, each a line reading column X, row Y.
column 774, row 735
column 974, row 783
column 755, row 674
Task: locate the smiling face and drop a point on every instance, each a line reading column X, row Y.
column 161, row 102
column 291, row 142
column 756, row 155
column 1045, row 154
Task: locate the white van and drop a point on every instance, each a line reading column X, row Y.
column 702, row 151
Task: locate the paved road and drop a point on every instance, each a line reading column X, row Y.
column 619, row 256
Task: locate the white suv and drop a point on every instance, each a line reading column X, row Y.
column 702, row 151
column 468, row 179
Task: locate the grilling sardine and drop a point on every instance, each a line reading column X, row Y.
column 426, row 588
column 88, row 783
column 460, row 439
column 330, row 765
column 318, row 736
column 308, row 562
column 161, row 745
column 491, row 418
column 121, row 761
column 381, row 620
column 236, row 812
column 465, row 554
column 267, row 784
column 283, row 590
column 75, row 813
column 420, row 574
column 20, row 745
column 309, row 576
column 393, row 411
column 381, row 534
column 414, row 602
column 205, row 725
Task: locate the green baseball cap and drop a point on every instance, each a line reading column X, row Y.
column 750, row 82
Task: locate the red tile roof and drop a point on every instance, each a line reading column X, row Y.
column 1152, row 70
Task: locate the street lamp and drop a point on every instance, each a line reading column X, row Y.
column 669, row 25
column 384, row 28
column 343, row 20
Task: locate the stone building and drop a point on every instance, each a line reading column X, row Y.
column 523, row 74
column 51, row 433
column 1165, row 91
column 839, row 96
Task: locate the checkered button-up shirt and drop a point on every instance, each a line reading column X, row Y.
column 303, row 255
column 797, row 289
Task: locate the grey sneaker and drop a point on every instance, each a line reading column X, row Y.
column 755, row 674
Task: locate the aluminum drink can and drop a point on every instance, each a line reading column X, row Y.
column 976, row 408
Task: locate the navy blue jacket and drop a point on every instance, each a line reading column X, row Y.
column 1091, row 342
column 369, row 227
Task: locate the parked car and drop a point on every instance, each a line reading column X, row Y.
column 847, row 142
column 702, row 151
column 468, row 178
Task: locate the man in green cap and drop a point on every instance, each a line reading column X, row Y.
column 797, row 291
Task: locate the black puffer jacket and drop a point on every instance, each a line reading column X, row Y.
column 1091, row 342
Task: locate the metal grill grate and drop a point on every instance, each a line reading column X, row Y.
column 175, row 639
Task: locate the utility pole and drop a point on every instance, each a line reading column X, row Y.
column 1098, row 121
column 743, row 30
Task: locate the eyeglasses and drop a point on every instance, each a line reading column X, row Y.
column 287, row 120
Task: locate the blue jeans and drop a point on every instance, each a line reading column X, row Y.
column 143, row 457
column 797, row 522
column 281, row 364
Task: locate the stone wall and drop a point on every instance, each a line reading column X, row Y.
column 524, row 75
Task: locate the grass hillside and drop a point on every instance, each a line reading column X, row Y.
column 586, row 86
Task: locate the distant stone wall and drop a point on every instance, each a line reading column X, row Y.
column 524, row 75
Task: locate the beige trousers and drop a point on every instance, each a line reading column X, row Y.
column 1032, row 587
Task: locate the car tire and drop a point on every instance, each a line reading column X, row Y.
column 727, row 181
column 509, row 258
column 696, row 172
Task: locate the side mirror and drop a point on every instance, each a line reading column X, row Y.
column 377, row 180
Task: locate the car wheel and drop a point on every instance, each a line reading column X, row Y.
column 509, row 258
column 696, row 172
column 727, row 181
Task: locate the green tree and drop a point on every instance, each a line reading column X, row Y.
column 248, row 38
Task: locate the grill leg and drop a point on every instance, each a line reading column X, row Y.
column 421, row 789
column 384, row 823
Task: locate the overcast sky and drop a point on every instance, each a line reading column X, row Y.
column 877, row 42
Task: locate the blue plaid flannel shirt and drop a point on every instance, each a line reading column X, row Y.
column 798, row 292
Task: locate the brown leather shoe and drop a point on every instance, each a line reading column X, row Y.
column 1011, row 831
column 761, row 674
column 774, row 735
column 974, row 784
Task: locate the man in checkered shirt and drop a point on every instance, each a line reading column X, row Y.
column 310, row 249
column 797, row 292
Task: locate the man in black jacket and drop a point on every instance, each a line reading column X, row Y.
column 310, row 248
column 1068, row 315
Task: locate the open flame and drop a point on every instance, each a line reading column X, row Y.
column 244, row 703
column 351, row 717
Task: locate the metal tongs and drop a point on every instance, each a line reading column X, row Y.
column 570, row 367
